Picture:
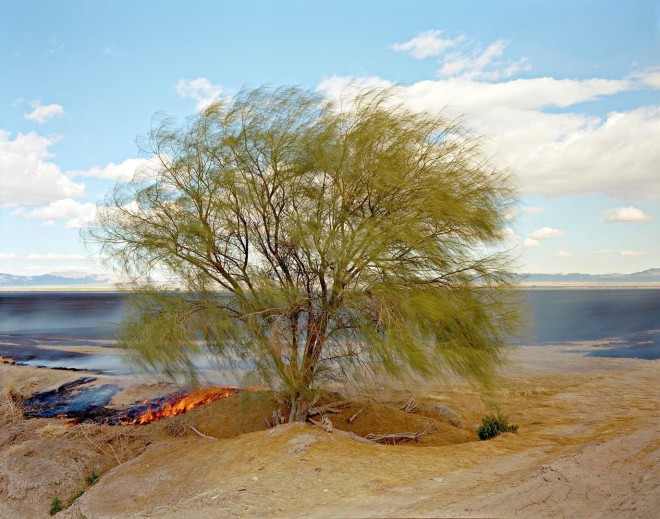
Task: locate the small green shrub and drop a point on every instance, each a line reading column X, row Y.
column 492, row 425
column 73, row 498
column 55, row 506
column 92, row 477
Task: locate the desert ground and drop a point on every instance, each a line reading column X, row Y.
column 588, row 445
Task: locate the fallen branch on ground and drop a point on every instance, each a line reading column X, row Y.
column 352, row 418
column 201, row 433
column 329, row 408
column 410, row 406
column 348, row 434
column 395, row 438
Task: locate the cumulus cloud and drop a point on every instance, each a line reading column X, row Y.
column 565, row 254
column 75, row 214
column 552, row 154
column 510, row 213
column 43, row 113
column 27, row 176
column 200, row 90
column 626, row 215
column 426, row 44
column 509, row 234
column 529, row 243
column 482, row 64
column 122, row 172
column 630, row 253
column 468, row 59
column 339, row 88
column 479, row 97
column 649, row 77
column 546, row 233
column 571, row 154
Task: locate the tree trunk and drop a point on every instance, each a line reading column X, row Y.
column 299, row 409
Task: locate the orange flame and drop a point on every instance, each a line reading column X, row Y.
column 181, row 404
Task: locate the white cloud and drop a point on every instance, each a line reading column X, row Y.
column 468, row 61
column 510, row 213
column 122, row 172
column 27, row 177
column 529, row 243
column 43, row 113
column 552, row 154
column 649, row 78
column 76, row 214
column 652, row 79
column 482, row 64
column 479, row 98
column 565, row 254
column 630, row 253
column 546, row 233
column 200, row 90
column 426, row 44
column 509, row 234
column 626, row 215
column 339, row 88
column 570, row 154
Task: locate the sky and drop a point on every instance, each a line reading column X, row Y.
column 564, row 94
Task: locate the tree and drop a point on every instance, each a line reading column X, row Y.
column 313, row 241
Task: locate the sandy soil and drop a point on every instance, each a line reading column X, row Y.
column 588, row 446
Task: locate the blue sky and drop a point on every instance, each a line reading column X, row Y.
column 567, row 95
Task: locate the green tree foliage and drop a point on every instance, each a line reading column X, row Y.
column 312, row 242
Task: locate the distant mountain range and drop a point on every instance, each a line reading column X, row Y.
column 99, row 280
column 57, row 279
column 646, row 276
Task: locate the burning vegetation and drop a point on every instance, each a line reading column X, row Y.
column 171, row 405
column 80, row 401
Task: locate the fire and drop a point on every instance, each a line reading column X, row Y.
column 172, row 405
column 79, row 401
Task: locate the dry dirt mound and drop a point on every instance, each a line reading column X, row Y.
column 249, row 412
column 261, row 474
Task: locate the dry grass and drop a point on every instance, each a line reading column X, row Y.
column 11, row 411
column 115, row 444
column 52, row 431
